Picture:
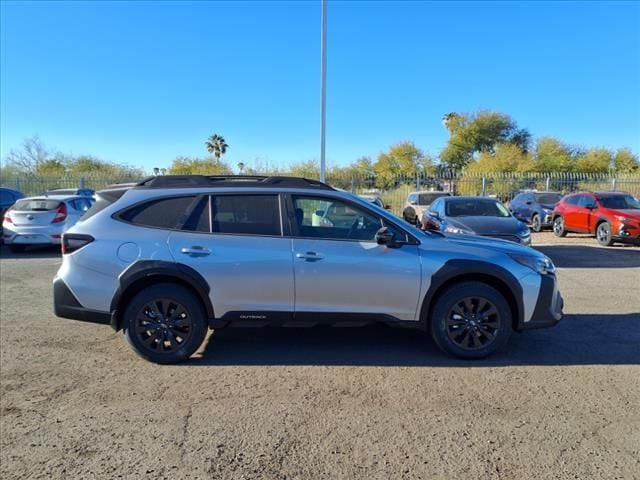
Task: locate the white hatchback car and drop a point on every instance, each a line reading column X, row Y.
column 42, row 220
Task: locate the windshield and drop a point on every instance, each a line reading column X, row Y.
column 475, row 208
column 548, row 198
column 620, row 202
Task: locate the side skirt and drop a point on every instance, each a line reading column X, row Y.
column 309, row 319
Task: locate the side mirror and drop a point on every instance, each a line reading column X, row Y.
column 386, row 237
column 413, row 203
column 592, row 206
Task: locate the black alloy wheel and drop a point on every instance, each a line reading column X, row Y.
column 471, row 320
column 165, row 323
column 473, row 323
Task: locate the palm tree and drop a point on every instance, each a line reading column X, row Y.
column 216, row 146
column 241, row 167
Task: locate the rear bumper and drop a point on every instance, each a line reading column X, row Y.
column 66, row 305
column 548, row 310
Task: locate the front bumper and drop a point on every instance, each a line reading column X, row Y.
column 66, row 305
column 548, row 309
column 627, row 233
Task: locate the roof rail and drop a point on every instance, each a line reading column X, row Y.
column 186, row 181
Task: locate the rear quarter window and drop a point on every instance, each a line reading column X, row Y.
column 168, row 213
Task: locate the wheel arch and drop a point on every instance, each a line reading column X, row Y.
column 143, row 274
column 456, row 272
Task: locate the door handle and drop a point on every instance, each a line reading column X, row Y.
column 196, row 251
column 309, row 256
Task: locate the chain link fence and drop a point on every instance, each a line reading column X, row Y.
column 392, row 189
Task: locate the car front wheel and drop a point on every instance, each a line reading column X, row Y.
column 603, row 234
column 536, row 224
column 165, row 323
column 558, row 227
column 471, row 320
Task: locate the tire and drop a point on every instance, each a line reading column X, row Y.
column 17, row 248
column 558, row 227
column 536, row 223
column 460, row 325
column 162, row 338
column 603, row 234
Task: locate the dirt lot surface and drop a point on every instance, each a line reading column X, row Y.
column 374, row 403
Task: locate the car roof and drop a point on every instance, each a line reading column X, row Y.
column 217, row 181
column 60, row 198
column 469, row 197
column 420, row 192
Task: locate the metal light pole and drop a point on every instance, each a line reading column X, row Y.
column 323, row 88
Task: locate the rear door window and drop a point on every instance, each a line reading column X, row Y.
column 246, row 215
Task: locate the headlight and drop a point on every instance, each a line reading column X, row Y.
column 622, row 219
column 460, row 231
column 524, row 233
column 541, row 265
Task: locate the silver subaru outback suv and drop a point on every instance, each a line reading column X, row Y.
column 170, row 257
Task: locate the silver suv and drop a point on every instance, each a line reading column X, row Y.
column 172, row 256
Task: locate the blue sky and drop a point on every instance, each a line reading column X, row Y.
column 143, row 82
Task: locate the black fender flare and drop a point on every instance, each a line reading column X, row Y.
column 460, row 270
column 145, row 272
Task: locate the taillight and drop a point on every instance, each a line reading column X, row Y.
column 74, row 241
column 61, row 214
column 7, row 217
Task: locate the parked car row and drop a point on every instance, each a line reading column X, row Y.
column 609, row 216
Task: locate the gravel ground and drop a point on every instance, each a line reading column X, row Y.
column 375, row 403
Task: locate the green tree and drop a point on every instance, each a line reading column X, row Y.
column 197, row 166
column 594, row 160
column 553, row 156
column 51, row 168
column 480, row 132
column 308, row 169
column 216, row 146
column 506, row 158
column 625, row 161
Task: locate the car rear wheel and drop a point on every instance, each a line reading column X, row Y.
column 471, row 320
column 165, row 323
column 603, row 234
column 558, row 227
column 536, row 224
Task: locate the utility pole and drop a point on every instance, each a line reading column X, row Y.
column 323, row 89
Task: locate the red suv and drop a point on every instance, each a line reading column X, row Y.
column 610, row 216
